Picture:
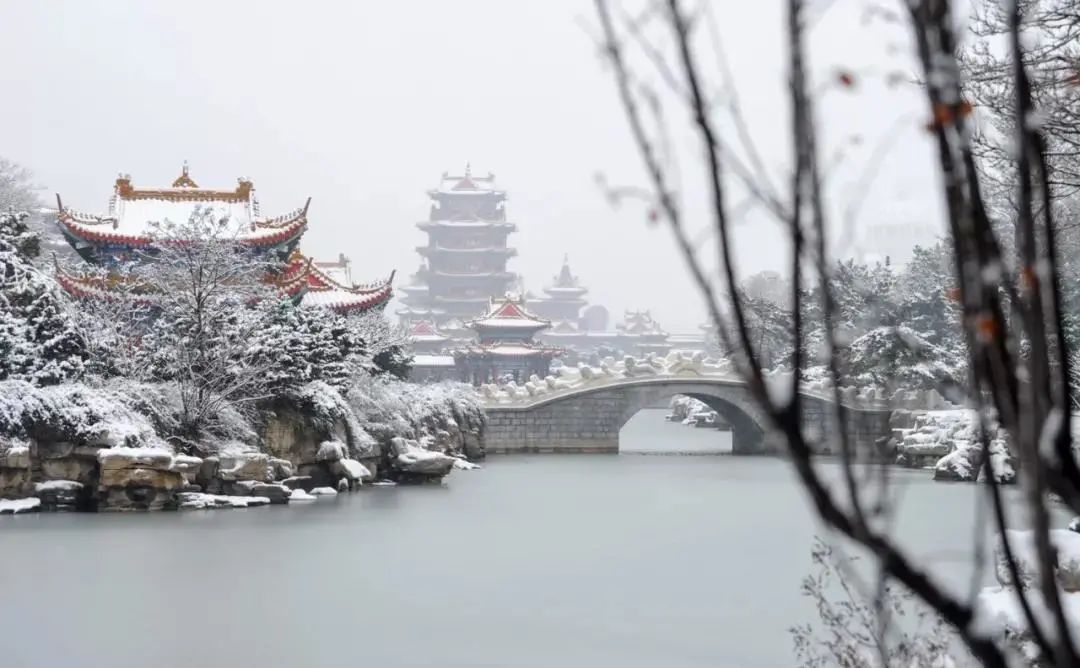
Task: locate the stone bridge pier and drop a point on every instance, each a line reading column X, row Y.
column 589, row 420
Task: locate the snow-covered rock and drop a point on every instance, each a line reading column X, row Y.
column 331, row 451
column 352, row 470
column 244, row 466
column 300, row 496
column 276, row 492
column 413, row 463
column 324, row 491
column 199, row 501
column 137, row 479
column 464, row 464
column 59, row 494
column 18, row 506
column 187, row 466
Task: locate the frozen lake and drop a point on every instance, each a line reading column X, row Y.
column 577, row 560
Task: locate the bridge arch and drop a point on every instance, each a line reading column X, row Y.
column 589, row 420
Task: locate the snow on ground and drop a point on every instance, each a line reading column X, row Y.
column 17, row 506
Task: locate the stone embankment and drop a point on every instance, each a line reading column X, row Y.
column 300, row 459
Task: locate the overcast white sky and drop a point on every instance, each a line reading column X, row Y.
column 362, row 105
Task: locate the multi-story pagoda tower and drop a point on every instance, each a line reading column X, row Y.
column 464, row 260
column 565, row 298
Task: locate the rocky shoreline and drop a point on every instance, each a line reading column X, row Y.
column 300, row 450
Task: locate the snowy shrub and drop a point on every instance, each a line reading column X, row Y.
column 73, row 412
column 38, row 341
column 386, row 407
column 855, row 632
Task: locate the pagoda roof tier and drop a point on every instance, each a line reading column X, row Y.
column 414, row 289
column 466, row 225
column 509, row 313
column 423, row 331
column 432, row 250
column 467, row 184
column 133, row 211
column 420, row 312
column 565, row 283
column 329, row 285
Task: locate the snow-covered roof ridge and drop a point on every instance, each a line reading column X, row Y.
column 133, row 212
column 508, row 312
column 467, row 184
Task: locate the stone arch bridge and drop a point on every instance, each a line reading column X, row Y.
column 585, row 407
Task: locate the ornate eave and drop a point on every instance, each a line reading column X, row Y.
column 325, row 291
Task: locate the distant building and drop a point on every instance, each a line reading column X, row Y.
column 464, row 261
column 505, row 345
column 565, row 298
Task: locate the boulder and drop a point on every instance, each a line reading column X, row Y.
column 299, row 495
column 411, row 463
column 276, row 492
column 352, row 470
column 280, row 469
column 14, row 470
column 80, row 469
column 244, row 466
column 137, row 479
column 188, row 466
column 196, row 501
column 324, row 491
column 59, row 494
column 304, row 482
column 331, row 451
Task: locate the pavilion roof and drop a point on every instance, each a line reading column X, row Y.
column 509, row 313
column 425, row 331
column 133, row 211
column 329, row 285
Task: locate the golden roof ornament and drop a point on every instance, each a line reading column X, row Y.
column 184, row 180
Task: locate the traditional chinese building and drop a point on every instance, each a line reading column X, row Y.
column 565, row 298
column 638, row 334
column 505, row 346
column 464, row 260
column 127, row 231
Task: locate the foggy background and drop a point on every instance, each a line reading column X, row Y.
column 363, row 105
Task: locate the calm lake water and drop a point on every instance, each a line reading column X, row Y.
column 630, row 560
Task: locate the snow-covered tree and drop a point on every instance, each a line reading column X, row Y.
column 210, row 301
column 38, row 341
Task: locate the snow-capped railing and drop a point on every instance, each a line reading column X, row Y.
column 679, row 366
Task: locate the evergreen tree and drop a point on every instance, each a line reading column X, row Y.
column 38, row 341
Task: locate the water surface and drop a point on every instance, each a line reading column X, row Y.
column 621, row 560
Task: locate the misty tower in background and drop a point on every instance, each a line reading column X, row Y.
column 463, row 265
